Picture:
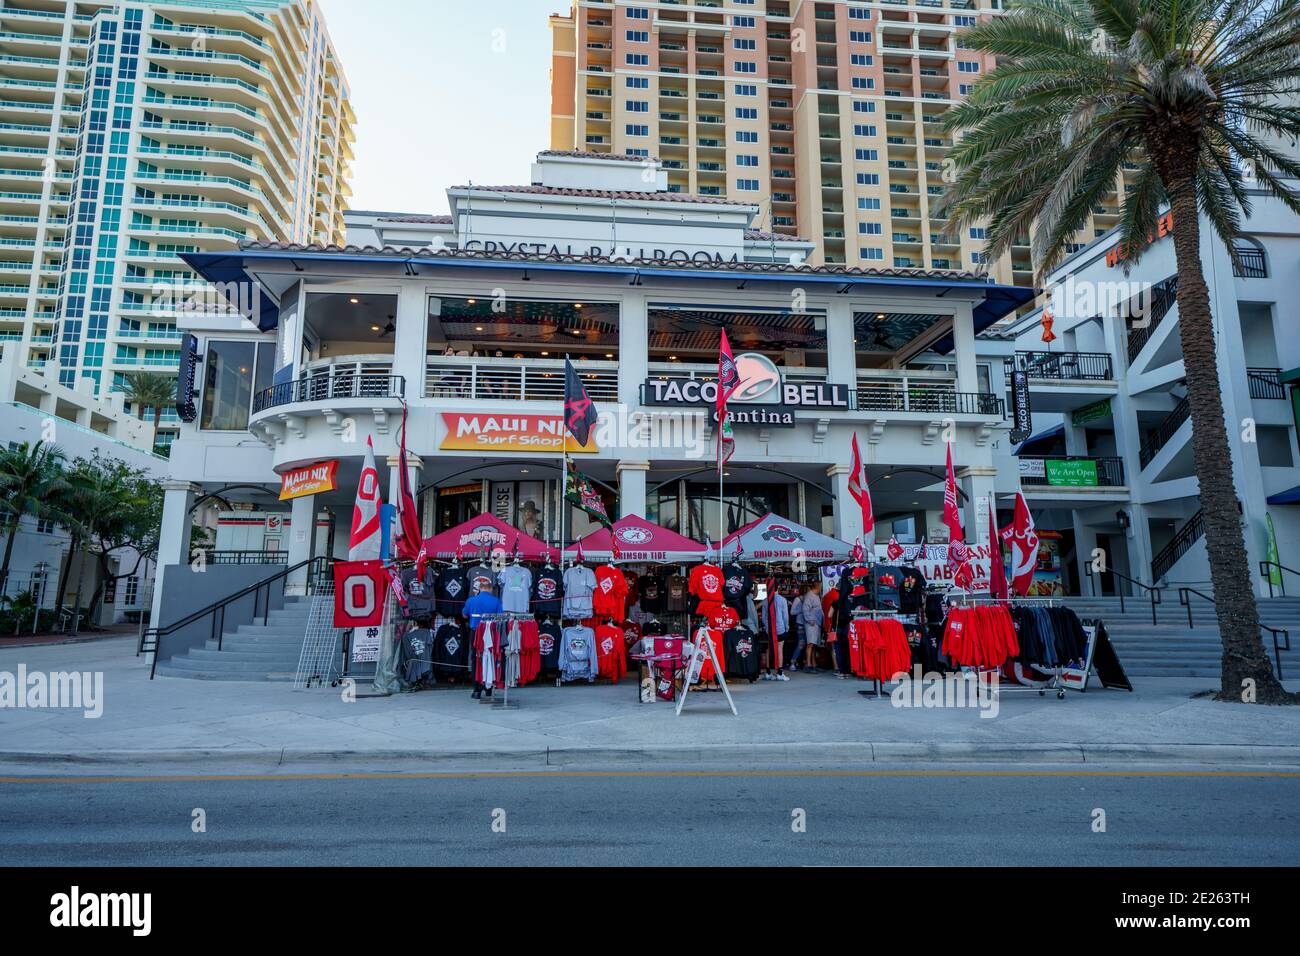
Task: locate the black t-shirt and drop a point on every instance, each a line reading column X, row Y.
column 736, row 586
column 451, row 591
column 652, row 594
column 855, row 591
column 548, row 592
column 417, row 653
column 911, row 597
column 481, row 576
column 451, row 647
column 549, row 635
column 419, row 593
column 888, row 586
column 675, row 595
column 741, row 653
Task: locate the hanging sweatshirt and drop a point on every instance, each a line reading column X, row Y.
column 420, row 593
column 516, row 588
column 579, row 586
column 611, row 653
column 611, row 593
column 578, row 654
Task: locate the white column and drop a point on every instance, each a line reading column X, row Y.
column 963, row 337
column 848, row 514
column 633, row 354
column 841, row 352
column 302, row 539
column 632, row 488
column 410, row 344
column 174, row 537
column 977, row 484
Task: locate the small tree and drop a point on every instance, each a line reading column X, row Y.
column 149, row 390
column 31, row 477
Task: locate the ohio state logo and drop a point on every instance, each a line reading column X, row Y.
column 633, row 535
column 546, row 644
column 546, row 589
column 783, row 534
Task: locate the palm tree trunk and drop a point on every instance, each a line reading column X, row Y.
column 76, row 604
column 64, row 573
column 1245, row 662
column 9, row 553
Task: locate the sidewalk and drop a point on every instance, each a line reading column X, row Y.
column 811, row 718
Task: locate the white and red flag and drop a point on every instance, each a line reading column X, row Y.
column 728, row 382
column 364, row 542
column 997, row 570
column 895, row 550
column 1024, row 546
column 958, row 553
column 409, row 543
column 860, row 490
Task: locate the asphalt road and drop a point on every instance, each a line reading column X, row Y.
column 941, row 816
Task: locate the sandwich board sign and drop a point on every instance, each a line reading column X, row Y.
column 704, row 651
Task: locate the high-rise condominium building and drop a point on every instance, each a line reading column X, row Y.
column 825, row 112
column 131, row 132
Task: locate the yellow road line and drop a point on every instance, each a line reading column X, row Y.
column 642, row 774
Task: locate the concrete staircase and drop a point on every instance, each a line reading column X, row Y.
column 252, row 652
column 1170, row 648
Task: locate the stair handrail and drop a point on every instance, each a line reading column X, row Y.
column 217, row 610
column 1185, row 599
column 1192, row 531
column 1153, row 590
column 1263, row 570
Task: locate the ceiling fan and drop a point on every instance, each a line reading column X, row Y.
column 387, row 330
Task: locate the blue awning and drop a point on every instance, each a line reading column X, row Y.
column 1040, row 437
column 233, row 267
column 1291, row 497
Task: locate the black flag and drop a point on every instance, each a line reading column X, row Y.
column 579, row 413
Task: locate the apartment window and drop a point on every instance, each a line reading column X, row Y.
column 964, row 88
column 741, row 43
column 859, row 36
column 868, row 252
column 638, row 106
column 962, row 20
column 638, row 152
column 868, row 179
column 860, row 129
column 869, row 228
column 746, row 66
column 638, row 59
column 638, row 82
column 863, row 83
column 45, row 526
column 745, row 160
column 746, row 112
column 978, row 232
column 638, row 13
column 978, row 258
column 634, row 129
column 638, row 36
column 867, row 155
column 859, row 13
column 747, row 185
column 743, row 22
column 746, row 89
column 863, row 106
column 868, row 202
column 860, row 59
column 964, row 66
column 746, row 136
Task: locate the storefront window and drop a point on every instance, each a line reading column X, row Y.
column 234, row 372
column 739, row 507
column 690, row 336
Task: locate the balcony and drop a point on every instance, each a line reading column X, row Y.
column 351, row 380
column 1065, row 366
column 926, row 399
column 1266, row 383
column 1071, row 471
column 510, row 381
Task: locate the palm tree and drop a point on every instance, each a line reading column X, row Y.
column 1197, row 94
column 149, row 390
column 30, row 477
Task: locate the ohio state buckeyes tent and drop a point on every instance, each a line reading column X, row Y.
column 638, row 540
column 773, row 538
column 485, row 534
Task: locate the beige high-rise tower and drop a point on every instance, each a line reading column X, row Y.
column 825, row 112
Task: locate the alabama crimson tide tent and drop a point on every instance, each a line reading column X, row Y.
column 486, row 533
column 773, row 538
column 638, row 540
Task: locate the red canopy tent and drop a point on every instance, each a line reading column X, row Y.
column 485, row 533
column 638, row 540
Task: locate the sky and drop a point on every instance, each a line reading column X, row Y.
column 446, row 92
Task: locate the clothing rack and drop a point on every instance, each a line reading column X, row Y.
column 501, row 617
column 1055, row 674
column 867, row 614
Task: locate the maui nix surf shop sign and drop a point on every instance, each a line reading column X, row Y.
column 309, row 480
column 467, row 431
column 763, row 396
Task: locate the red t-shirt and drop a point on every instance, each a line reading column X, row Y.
column 611, row 652
column 706, row 583
column 610, row 594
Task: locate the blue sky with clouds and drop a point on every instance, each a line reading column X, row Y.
column 446, row 91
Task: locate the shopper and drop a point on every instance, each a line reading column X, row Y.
column 837, row 633
column 776, row 621
column 813, row 619
column 796, row 627
column 484, row 602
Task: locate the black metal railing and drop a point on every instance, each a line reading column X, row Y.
column 1065, row 366
column 1110, row 471
column 1191, row 532
column 930, row 401
column 316, row 571
column 1266, row 383
column 1154, row 593
column 1160, row 436
column 1281, row 636
column 1163, row 298
column 331, row 385
column 246, row 557
column 1250, row 264
column 1281, row 578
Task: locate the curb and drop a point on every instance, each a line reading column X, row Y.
column 842, row 756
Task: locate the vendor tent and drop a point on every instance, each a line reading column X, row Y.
column 638, row 540
column 486, row 533
column 773, row 538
